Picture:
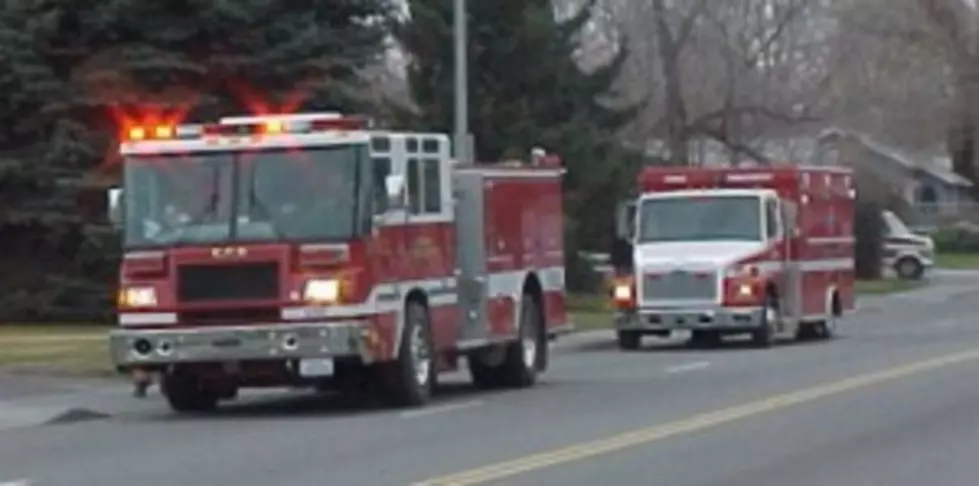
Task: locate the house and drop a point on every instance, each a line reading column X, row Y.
column 924, row 182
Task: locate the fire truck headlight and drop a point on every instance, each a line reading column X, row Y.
column 322, row 291
column 138, row 297
column 745, row 290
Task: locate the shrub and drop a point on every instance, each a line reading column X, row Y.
column 957, row 239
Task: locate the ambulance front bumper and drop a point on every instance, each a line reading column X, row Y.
column 156, row 347
column 665, row 319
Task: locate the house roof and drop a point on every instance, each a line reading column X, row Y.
column 937, row 166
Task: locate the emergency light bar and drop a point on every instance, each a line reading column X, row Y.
column 245, row 126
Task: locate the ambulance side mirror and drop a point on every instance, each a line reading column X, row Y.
column 394, row 185
column 114, row 205
column 625, row 215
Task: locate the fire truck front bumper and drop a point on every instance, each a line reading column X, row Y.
column 715, row 318
column 157, row 347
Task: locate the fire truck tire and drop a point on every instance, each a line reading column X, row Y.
column 764, row 336
column 523, row 358
column 184, row 393
column 629, row 340
column 525, row 355
column 411, row 377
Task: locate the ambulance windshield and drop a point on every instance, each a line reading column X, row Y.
column 283, row 194
column 701, row 218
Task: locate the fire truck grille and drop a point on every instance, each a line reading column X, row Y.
column 246, row 281
column 680, row 285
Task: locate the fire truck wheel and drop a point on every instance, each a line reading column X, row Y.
column 629, row 340
column 764, row 336
column 522, row 359
column 184, row 393
column 525, row 355
column 411, row 377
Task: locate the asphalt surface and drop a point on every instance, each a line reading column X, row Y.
column 892, row 401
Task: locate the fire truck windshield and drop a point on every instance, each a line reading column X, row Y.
column 701, row 218
column 271, row 195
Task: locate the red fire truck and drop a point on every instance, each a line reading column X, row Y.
column 765, row 251
column 315, row 250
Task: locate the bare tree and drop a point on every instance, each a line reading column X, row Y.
column 724, row 70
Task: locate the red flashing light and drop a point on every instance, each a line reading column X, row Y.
column 275, row 127
column 163, row 131
column 159, row 132
column 137, row 133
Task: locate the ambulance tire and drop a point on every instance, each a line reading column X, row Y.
column 764, row 336
column 185, row 394
column 411, row 378
column 808, row 331
column 706, row 339
column 629, row 340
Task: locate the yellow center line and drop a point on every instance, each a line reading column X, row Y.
column 699, row 422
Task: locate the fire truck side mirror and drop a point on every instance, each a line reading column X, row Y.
column 394, row 184
column 625, row 215
column 114, row 205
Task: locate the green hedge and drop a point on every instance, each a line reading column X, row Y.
column 956, row 240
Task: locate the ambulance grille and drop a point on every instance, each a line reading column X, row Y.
column 222, row 283
column 680, row 285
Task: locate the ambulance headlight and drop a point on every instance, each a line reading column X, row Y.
column 322, row 291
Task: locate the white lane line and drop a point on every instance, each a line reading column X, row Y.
column 450, row 407
column 17, row 482
column 683, row 368
column 947, row 323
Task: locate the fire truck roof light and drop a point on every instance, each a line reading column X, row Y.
column 284, row 119
column 163, row 132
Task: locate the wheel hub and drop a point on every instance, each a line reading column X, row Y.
column 529, row 345
column 420, row 356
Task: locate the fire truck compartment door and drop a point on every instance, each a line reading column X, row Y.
column 470, row 227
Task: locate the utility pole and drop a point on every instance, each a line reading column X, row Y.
column 461, row 143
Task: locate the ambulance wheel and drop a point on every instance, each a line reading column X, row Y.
column 909, row 268
column 764, row 336
column 411, row 377
column 185, row 394
column 629, row 340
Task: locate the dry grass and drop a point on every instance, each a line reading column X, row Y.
column 63, row 350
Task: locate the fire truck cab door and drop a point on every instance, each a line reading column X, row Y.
column 780, row 231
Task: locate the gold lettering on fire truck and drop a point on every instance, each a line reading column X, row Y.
column 229, row 252
column 423, row 248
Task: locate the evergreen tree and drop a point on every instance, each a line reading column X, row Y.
column 527, row 90
column 74, row 71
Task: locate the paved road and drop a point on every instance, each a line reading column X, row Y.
column 891, row 402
